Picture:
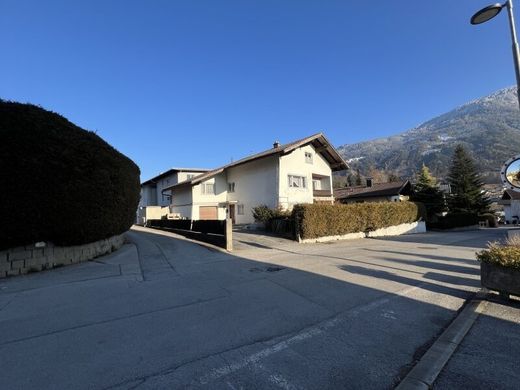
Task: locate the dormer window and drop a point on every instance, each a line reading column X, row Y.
column 308, row 157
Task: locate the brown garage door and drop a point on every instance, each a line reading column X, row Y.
column 208, row 212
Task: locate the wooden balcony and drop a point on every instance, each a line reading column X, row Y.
column 322, row 193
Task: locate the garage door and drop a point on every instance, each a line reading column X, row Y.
column 208, row 212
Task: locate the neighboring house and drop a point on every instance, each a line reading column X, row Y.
column 379, row 192
column 154, row 196
column 511, row 202
column 280, row 177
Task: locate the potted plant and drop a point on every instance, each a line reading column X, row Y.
column 500, row 267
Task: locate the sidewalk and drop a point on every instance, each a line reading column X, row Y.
column 489, row 355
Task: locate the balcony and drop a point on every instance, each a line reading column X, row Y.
column 322, row 193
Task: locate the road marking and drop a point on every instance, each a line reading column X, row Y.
column 308, row 333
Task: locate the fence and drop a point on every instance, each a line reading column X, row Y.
column 216, row 232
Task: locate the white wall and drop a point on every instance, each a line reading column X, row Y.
column 512, row 210
column 294, row 164
column 148, row 196
column 182, row 202
column 256, row 183
column 218, row 199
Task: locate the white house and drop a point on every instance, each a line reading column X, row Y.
column 154, row 197
column 511, row 202
column 298, row 172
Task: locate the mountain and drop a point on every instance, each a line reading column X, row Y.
column 488, row 127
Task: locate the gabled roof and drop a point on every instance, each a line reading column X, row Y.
column 511, row 195
column 155, row 179
column 318, row 141
column 378, row 189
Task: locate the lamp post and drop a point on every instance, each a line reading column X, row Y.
column 490, row 12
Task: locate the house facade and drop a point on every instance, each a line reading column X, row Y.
column 154, row 197
column 511, row 203
column 280, row 177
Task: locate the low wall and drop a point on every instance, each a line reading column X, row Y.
column 405, row 228
column 42, row 256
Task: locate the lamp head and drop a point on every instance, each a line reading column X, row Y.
column 487, row 13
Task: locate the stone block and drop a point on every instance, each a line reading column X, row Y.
column 5, row 266
column 37, row 252
column 4, row 255
column 3, row 274
column 13, row 272
column 37, row 262
column 17, row 264
column 20, row 255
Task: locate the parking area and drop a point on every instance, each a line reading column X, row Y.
column 164, row 312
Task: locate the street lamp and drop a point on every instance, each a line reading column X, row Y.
column 490, row 12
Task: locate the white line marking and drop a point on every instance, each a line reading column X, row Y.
column 308, row 333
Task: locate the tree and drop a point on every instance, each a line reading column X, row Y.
column 425, row 191
column 467, row 194
column 357, row 179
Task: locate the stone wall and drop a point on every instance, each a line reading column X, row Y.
column 405, row 228
column 42, row 256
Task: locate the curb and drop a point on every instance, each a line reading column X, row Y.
column 433, row 361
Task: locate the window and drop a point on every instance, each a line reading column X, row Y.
column 316, row 184
column 308, row 157
column 207, row 188
column 190, row 176
column 297, row 181
column 240, row 209
column 231, row 187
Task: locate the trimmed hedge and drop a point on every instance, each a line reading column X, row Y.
column 321, row 220
column 60, row 183
column 455, row 220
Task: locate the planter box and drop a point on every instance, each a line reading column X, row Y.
column 501, row 279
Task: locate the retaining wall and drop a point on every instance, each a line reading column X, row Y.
column 42, row 256
column 405, row 228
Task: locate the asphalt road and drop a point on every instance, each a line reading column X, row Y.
column 167, row 313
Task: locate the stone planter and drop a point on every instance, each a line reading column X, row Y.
column 504, row 280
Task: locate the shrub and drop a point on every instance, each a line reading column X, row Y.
column 262, row 213
column 319, row 220
column 503, row 255
column 490, row 218
column 454, row 220
column 60, row 183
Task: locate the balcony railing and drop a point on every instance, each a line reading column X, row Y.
column 322, row 193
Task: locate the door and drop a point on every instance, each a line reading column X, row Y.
column 208, row 212
column 232, row 212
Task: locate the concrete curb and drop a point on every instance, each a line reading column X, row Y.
column 431, row 364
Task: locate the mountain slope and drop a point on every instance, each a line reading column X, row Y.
column 488, row 127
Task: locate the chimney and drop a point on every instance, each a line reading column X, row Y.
column 369, row 182
column 276, row 144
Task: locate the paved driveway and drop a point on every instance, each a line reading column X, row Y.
column 164, row 312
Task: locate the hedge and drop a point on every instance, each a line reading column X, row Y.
column 60, row 183
column 321, row 220
column 455, row 220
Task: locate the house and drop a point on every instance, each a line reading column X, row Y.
column 153, row 195
column 280, row 177
column 511, row 202
column 374, row 192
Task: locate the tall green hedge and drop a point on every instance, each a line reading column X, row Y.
column 321, row 220
column 60, row 183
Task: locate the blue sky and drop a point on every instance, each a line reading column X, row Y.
column 197, row 83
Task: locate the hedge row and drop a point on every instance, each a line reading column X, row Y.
column 60, row 183
column 455, row 220
column 321, row 220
